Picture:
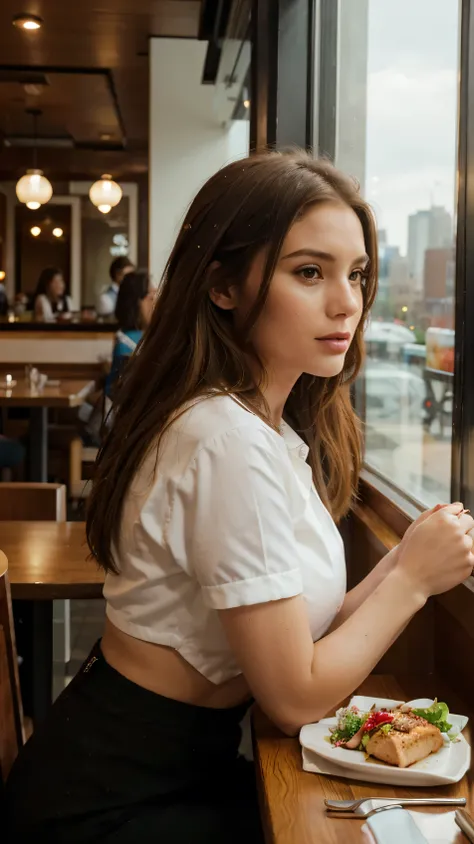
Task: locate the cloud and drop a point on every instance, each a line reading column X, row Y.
column 412, row 100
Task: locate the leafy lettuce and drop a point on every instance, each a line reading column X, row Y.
column 437, row 714
column 349, row 721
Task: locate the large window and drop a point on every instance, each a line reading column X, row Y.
column 396, row 123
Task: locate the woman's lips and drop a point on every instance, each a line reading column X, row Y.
column 335, row 345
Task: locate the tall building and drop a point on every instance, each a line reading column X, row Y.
column 430, row 229
column 438, row 285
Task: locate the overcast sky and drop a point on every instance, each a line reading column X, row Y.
column 413, row 63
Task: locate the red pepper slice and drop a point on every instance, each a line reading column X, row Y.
column 376, row 719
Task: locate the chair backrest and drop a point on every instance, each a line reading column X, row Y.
column 32, row 502
column 11, row 711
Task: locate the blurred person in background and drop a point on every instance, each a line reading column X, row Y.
column 12, row 455
column 51, row 299
column 133, row 313
column 107, row 300
column 3, row 300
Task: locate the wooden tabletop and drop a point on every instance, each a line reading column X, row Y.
column 48, row 560
column 293, row 801
column 69, row 393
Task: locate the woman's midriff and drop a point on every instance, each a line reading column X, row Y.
column 163, row 671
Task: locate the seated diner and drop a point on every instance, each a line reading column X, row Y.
column 51, row 300
column 107, row 299
column 133, row 313
column 233, row 455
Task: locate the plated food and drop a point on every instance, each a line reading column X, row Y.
column 443, row 767
column 399, row 736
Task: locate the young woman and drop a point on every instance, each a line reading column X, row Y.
column 233, row 454
column 50, row 296
column 133, row 314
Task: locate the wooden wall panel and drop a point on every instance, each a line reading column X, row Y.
column 367, row 545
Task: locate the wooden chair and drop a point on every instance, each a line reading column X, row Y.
column 79, row 455
column 11, row 712
column 32, row 502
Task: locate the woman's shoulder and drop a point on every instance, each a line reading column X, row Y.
column 42, row 306
column 126, row 341
column 218, row 421
column 208, row 417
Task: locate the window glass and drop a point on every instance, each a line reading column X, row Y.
column 396, row 131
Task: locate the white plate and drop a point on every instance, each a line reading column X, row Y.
column 448, row 765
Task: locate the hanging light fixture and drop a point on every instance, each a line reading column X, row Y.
column 34, row 189
column 105, row 194
column 28, row 22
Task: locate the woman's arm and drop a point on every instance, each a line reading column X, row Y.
column 357, row 596
column 297, row 682
column 359, row 593
column 38, row 308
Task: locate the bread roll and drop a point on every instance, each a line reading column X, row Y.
column 410, row 740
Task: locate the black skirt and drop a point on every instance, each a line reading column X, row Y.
column 114, row 762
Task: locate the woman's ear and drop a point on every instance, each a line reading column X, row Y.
column 223, row 295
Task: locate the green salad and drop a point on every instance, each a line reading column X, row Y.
column 437, row 714
column 354, row 726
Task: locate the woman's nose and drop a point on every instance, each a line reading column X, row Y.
column 345, row 300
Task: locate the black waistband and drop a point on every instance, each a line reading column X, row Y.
column 98, row 677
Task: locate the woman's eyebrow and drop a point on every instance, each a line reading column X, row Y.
column 324, row 256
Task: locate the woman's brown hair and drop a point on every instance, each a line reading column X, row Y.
column 191, row 347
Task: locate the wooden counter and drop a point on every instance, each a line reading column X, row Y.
column 48, row 346
column 292, row 801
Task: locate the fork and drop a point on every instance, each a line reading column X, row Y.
column 364, row 807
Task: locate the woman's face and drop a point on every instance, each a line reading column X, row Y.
column 57, row 287
column 315, row 299
column 146, row 306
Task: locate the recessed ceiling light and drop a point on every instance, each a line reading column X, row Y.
column 35, row 231
column 2, row 275
column 28, row 22
column 58, row 232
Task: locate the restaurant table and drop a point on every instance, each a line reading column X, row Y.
column 67, row 393
column 46, row 561
column 292, row 801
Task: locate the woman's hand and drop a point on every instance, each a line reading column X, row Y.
column 436, row 551
column 424, row 516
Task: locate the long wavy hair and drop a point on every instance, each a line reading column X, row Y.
column 191, row 347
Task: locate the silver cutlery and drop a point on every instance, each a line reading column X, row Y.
column 364, row 807
column 361, row 813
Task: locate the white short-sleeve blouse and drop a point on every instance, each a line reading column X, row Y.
column 226, row 515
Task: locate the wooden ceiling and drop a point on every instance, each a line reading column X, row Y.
column 90, row 79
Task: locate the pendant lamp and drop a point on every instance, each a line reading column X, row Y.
column 34, row 189
column 105, row 194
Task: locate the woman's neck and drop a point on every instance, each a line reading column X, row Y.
column 276, row 389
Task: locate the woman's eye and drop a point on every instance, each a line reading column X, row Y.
column 310, row 273
column 358, row 276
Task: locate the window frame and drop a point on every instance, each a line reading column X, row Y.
column 270, row 55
